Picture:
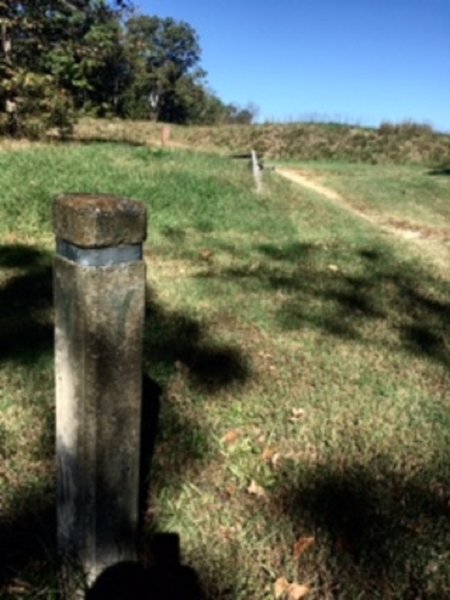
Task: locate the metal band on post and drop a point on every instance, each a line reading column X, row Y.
column 99, row 257
column 99, row 292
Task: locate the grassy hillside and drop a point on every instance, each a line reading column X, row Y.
column 300, row 357
column 390, row 144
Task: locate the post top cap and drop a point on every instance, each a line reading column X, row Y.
column 97, row 221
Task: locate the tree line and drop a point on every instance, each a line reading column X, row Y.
column 63, row 58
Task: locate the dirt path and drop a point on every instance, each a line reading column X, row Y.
column 306, row 180
column 429, row 240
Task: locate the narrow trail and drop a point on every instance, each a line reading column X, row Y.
column 306, row 180
column 430, row 240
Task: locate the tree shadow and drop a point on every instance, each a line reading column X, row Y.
column 26, row 330
column 150, row 410
column 28, row 539
column 19, row 255
column 90, row 140
column 372, row 525
column 403, row 298
column 292, row 252
column 174, row 234
column 174, row 339
column 444, row 171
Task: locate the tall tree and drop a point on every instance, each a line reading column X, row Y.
column 164, row 55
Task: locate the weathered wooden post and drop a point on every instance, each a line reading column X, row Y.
column 257, row 175
column 99, row 292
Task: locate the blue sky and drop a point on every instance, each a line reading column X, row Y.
column 359, row 61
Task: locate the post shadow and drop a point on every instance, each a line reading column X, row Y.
column 164, row 577
column 28, row 537
column 159, row 572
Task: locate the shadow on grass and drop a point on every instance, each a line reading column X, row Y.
column 27, row 531
column 442, row 172
column 26, row 300
column 174, row 341
column 87, row 141
column 314, row 292
column 163, row 577
column 28, row 540
column 384, row 533
column 145, row 150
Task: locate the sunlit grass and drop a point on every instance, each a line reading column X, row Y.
column 412, row 195
column 302, row 358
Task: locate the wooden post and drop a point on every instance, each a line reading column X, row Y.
column 257, row 175
column 165, row 136
column 99, row 293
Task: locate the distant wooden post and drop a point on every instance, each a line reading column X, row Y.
column 99, row 292
column 257, row 174
column 165, row 135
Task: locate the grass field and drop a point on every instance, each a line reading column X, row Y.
column 299, row 358
column 416, row 194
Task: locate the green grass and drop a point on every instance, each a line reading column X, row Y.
column 411, row 194
column 291, row 345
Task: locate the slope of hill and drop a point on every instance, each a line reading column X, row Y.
column 389, row 144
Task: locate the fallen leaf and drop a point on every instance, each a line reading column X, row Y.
column 280, row 587
column 228, row 533
column 296, row 591
column 231, row 490
column 267, row 454
column 256, row 490
column 276, row 459
column 206, row 254
column 231, row 437
column 302, row 545
column 297, row 414
column 270, row 455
